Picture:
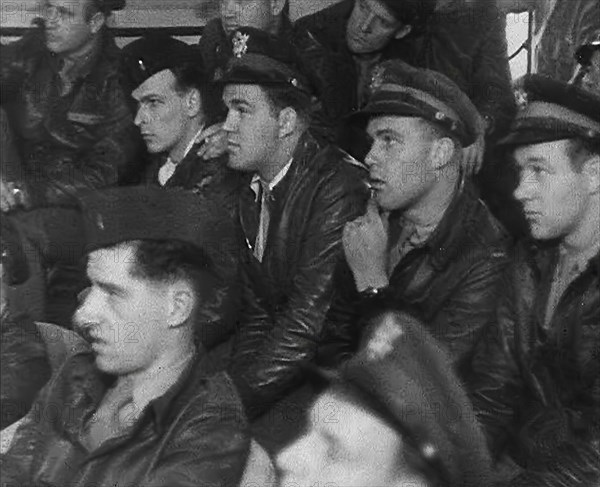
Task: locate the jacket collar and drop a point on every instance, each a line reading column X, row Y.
column 451, row 233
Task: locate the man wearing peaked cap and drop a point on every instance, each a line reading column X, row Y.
column 272, row 17
column 587, row 74
column 546, row 342
column 137, row 407
column 177, row 102
column 298, row 198
column 425, row 239
column 464, row 40
column 395, row 415
column 62, row 87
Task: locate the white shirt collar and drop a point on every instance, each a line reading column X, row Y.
column 256, row 181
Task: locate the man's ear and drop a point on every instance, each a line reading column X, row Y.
column 288, row 121
column 97, row 22
column 193, row 102
column 277, row 6
column 442, row 151
column 181, row 303
column 403, row 31
column 591, row 169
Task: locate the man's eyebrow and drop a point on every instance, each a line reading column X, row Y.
column 149, row 96
column 382, row 132
column 238, row 102
column 109, row 287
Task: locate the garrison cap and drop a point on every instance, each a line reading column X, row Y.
column 554, row 110
column 14, row 260
column 411, row 12
column 263, row 59
column 400, row 89
column 153, row 53
column 402, row 375
column 117, row 215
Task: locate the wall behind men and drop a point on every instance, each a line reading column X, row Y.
column 195, row 13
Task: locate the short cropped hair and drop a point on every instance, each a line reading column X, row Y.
column 280, row 97
column 164, row 261
column 193, row 76
column 580, row 150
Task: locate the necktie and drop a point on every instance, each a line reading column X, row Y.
column 263, row 224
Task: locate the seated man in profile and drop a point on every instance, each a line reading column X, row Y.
column 538, row 368
column 316, row 64
column 176, row 103
column 136, row 408
column 61, row 85
column 426, row 240
column 395, row 415
column 292, row 213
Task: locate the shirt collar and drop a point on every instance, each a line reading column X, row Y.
column 257, row 181
column 156, row 385
column 188, row 148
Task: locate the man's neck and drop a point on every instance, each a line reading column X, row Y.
column 155, row 380
column 178, row 152
column 280, row 158
column 431, row 208
column 586, row 236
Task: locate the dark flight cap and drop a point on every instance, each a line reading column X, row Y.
column 400, row 89
column 109, row 5
column 402, row 375
column 14, row 260
column 411, row 12
column 584, row 54
column 153, row 53
column 262, row 59
column 123, row 214
column 554, row 110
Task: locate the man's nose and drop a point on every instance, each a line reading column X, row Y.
column 367, row 23
column 138, row 117
column 231, row 122
column 523, row 190
column 83, row 318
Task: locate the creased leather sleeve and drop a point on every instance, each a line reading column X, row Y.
column 494, row 381
column 270, row 349
column 209, row 445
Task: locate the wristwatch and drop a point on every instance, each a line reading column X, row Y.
column 373, row 292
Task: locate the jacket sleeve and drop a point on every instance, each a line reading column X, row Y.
column 494, row 381
column 492, row 91
column 470, row 306
column 99, row 166
column 268, row 356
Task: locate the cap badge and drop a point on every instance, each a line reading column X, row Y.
column 240, row 44
column 440, row 116
column 376, row 78
column 382, row 342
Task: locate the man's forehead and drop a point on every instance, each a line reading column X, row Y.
column 247, row 93
column 380, row 9
column 392, row 122
column 162, row 82
column 111, row 259
column 549, row 152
